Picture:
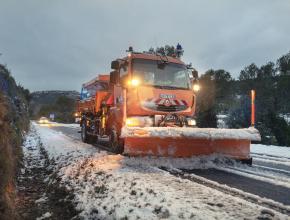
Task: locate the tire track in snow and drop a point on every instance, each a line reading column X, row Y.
column 200, row 179
column 272, row 169
column 271, row 157
column 271, row 164
column 270, row 177
column 75, row 135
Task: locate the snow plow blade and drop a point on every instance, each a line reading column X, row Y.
column 188, row 142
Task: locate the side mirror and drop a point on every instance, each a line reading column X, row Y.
column 115, row 65
column 194, row 74
column 114, row 77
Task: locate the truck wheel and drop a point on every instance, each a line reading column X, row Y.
column 86, row 138
column 247, row 161
column 116, row 144
column 84, row 134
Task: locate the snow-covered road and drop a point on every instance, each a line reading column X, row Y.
column 109, row 186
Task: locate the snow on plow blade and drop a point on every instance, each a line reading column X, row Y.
column 187, row 142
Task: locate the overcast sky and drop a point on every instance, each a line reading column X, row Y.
column 59, row 44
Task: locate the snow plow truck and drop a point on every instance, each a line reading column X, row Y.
column 146, row 106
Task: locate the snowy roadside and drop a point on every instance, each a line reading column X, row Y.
column 277, row 155
column 35, row 198
column 270, row 150
column 31, row 196
column 115, row 187
column 74, row 125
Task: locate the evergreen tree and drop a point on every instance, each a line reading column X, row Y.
column 283, row 64
column 167, row 50
column 63, row 109
column 161, row 51
column 267, row 71
column 207, row 118
column 239, row 117
column 283, row 84
column 249, row 72
column 206, row 112
column 280, row 128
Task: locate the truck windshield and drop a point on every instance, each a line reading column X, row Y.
column 171, row 75
column 90, row 90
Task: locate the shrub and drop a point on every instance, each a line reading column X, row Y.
column 13, row 122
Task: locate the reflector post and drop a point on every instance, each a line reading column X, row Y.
column 253, row 96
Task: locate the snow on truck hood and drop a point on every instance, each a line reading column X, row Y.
column 200, row 133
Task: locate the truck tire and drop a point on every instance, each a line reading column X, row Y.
column 84, row 134
column 116, row 144
column 87, row 138
column 247, row 161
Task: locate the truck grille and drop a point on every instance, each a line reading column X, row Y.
column 171, row 108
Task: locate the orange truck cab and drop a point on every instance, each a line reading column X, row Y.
column 152, row 86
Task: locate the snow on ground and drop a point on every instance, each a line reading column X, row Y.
column 222, row 121
column 286, row 117
column 267, row 150
column 271, row 154
column 31, row 199
column 58, row 144
column 115, row 187
column 74, row 125
column 44, row 216
column 31, row 153
column 258, row 174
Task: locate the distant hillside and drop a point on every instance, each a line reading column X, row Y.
column 43, row 98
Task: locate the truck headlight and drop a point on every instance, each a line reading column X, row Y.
column 139, row 122
column 132, row 122
column 196, row 87
column 134, row 82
